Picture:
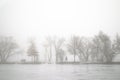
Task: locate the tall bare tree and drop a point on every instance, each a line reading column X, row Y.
column 72, row 46
column 116, row 45
column 48, row 44
column 57, row 44
column 60, row 55
column 84, row 49
column 32, row 52
column 8, row 48
column 46, row 52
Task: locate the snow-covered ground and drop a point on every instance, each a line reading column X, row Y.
column 59, row 72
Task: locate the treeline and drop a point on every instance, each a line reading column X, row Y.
column 99, row 49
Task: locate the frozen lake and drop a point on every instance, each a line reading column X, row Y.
column 59, row 72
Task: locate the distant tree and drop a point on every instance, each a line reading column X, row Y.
column 102, row 48
column 84, row 49
column 23, row 60
column 46, row 52
column 116, row 45
column 48, row 45
column 60, row 55
column 57, row 44
column 66, row 58
column 32, row 52
column 72, row 46
column 95, row 49
column 8, row 48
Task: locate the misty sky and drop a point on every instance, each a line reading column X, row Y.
column 39, row 18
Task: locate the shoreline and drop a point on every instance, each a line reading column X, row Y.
column 64, row 63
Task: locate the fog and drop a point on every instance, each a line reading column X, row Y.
column 38, row 19
column 29, row 57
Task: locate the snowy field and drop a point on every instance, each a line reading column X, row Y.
column 59, row 72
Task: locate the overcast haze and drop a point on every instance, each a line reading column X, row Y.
column 39, row 18
column 76, row 58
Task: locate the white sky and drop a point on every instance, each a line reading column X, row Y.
column 39, row 18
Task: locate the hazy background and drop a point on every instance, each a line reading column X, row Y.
column 24, row 19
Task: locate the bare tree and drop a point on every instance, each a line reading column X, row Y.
column 32, row 52
column 48, row 44
column 72, row 46
column 116, row 45
column 60, row 55
column 84, row 49
column 8, row 48
column 102, row 48
column 46, row 52
column 57, row 44
column 95, row 49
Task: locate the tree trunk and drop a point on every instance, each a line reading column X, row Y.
column 50, row 55
column 74, row 57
